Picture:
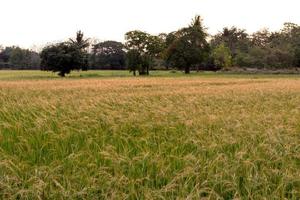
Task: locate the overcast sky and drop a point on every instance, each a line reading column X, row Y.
column 29, row 22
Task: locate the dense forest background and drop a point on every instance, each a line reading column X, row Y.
column 230, row 48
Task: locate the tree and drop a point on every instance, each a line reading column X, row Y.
column 261, row 38
column 188, row 46
column 80, row 42
column 66, row 56
column 134, row 60
column 222, row 57
column 155, row 45
column 237, row 40
column 35, row 60
column 18, row 58
column 108, row 54
column 62, row 58
column 137, row 42
column 262, row 49
column 297, row 57
column 148, row 46
column 5, row 54
column 291, row 33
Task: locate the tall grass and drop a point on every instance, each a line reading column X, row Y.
column 156, row 138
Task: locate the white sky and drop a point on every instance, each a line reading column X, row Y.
column 29, row 22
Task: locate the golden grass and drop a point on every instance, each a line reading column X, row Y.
column 150, row 138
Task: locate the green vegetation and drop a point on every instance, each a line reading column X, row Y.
column 142, row 49
column 66, row 56
column 17, row 75
column 108, row 54
column 209, row 135
column 222, row 56
column 187, row 49
column 17, row 58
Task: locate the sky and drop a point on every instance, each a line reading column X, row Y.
column 26, row 23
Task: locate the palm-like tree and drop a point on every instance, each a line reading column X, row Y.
column 80, row 42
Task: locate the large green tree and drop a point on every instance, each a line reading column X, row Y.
column 136, row 44
column 134, row 61
column 108, row 54
column 188, row 46
column 147, row 46
column 66, row 56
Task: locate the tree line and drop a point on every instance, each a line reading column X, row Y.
column 17, row 58
column 189, row 48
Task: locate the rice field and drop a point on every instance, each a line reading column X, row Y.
column 104, row 136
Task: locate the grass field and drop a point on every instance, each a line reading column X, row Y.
column 107, row 135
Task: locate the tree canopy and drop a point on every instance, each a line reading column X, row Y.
column 108, row 54
column 66, row 56
column 18, row 58
column 147, row 46
column 222, row 57
column 188, row 46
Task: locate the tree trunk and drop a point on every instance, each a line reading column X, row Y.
column 147, row 70
column 62, row 74
column 187, row 70
column 142, row 72
column 134, row 73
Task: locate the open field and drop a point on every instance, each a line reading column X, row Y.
column 15, row 75
column 93, row 136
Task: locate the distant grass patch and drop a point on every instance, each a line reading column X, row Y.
column 40, row 75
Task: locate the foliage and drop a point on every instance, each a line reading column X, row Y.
column 108, row 54
column 136, row 44
column 188, row 46
column 147, row 46
column 235, row 39
column 222, row 57
column 297, row 56
column 62, row 58
column 186, row 49
column 18, row 58
column 66, row 56
column 134, row 60
column 79, row 42
column 262, row 49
